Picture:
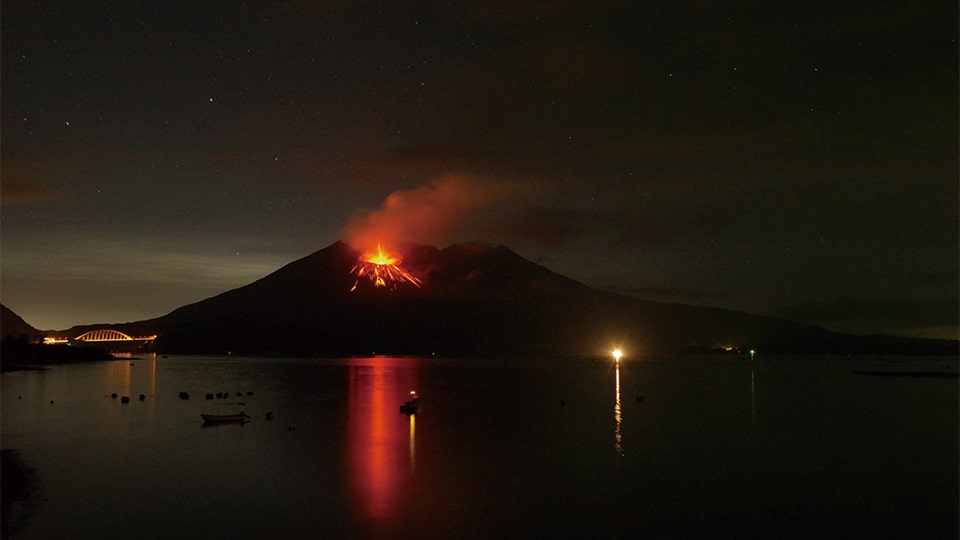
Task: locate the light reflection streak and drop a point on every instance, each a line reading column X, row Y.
column 413, row 442
column 118, row 377
column 128, row 376
column 371, row 433
column 617, row 417
column 376, row 438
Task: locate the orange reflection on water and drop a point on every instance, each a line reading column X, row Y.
column 117, row 377
column 617, row 417
column 380, row 438
column 131, row 375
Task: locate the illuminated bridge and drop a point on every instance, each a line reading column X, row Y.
column 111, row 340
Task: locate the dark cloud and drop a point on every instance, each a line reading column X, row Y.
column 910, row 317
column 544, row 226
column 662, row 294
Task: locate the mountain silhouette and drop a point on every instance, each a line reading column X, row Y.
column 13, row 327
column 20, row 347
column 474, row 299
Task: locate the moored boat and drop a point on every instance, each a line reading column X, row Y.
column 410, row 407
column 241, row 418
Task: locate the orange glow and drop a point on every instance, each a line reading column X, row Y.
column 383, row 269
column 373, row 438
column 380, row 440
column 381, row 258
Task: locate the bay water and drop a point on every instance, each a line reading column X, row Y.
column 684, row 447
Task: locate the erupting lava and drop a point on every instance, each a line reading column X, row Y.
column 383, row 269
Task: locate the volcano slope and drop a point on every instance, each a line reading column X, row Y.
column 474, row 299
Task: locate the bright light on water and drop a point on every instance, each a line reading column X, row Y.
column 413, row 443
column 617, row 416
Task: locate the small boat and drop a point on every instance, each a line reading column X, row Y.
column 241, row 418
column 234, row 416
column 410, row 407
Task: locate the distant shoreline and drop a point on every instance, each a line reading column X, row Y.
column 927, row 374
column 35, row 357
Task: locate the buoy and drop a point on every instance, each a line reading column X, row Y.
column 114, row 395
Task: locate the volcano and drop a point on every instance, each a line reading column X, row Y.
column 468, row 299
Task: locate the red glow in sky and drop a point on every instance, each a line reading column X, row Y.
column 428, row 214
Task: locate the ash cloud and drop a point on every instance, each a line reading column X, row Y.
column 429, row 214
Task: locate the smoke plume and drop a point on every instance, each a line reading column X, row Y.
column 428, row 214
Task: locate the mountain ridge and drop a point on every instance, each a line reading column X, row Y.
column 475, row 299
column 12, row 326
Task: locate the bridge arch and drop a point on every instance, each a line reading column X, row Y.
column 103, row 335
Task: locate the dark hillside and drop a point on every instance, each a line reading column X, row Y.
column 475, row 300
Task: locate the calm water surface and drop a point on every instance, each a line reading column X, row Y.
column 656, row 448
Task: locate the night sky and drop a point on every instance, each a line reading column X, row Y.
column 797, row 159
